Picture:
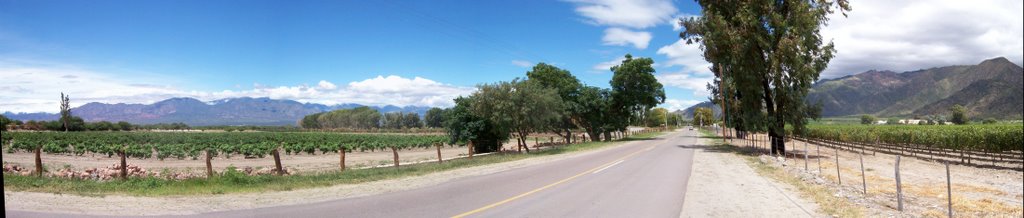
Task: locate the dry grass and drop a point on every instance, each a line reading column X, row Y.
column 932, row 193
column 828, row 203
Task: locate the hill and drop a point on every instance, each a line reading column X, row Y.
column 231, row 111
column 989, row 89
column 992, row 89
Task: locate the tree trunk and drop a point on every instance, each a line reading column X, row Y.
column 341, row 157
column 209, row 166
column 524, row 144
column 277, row 161
column 394, row 152
column 519, row 146
column 124, row 165
column 470, row 147
column 439, row 160
column 39, row 161
column 607, row 136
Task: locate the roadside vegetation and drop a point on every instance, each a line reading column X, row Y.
column 234, row 181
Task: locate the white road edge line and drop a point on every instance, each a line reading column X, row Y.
column 606, row 167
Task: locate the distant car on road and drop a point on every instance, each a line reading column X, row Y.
column 691, row 128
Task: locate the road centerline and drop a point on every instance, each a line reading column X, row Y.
column 513, row 198
column 609, row 166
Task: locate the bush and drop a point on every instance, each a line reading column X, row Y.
column 989, row 121
column 867, row 119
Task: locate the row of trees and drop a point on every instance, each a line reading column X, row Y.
column 552, row 100
column 77, row 124
column 369, row 118
column 765, row 56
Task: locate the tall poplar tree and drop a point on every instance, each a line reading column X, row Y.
column 768, row 54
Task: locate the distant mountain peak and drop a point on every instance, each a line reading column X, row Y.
column 998, row 60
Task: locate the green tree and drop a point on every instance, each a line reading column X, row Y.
column 635, row 88
column 434, row 118
column 593, row 109
column 867, row 119
column 310, row 121
column 657, row 117
column 703, row 116
column 124, row 126
column 411, row 120
column 465, row 127
column 355, row 118
column 959, row 116
column 522, row 107
column 65, row 111
column 771, row 52
column 393, row 120
column 675, row 118
column 567, row 87
column 4, row 121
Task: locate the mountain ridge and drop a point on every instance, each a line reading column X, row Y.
column 990, row 89
column 229, row 111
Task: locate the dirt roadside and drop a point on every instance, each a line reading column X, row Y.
column 723, row 185
column 183, row 205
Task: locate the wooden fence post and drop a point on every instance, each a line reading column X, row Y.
column 863, row 178
column 899, row 187
column 818, row 145
column 839, row 175
column 949, row 192
column 805, row 157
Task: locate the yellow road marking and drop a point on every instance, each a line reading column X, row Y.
column 548, row 186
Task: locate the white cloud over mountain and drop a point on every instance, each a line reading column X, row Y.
column 34, row 89
column 917, row 34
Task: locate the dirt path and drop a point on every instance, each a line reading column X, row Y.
column 723, row 185
column 181, row 205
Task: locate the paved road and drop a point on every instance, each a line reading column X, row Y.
column 639, row 179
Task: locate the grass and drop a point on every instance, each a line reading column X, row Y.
column 234, row 181
column 822, row 195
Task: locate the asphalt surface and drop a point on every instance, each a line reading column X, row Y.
column 645, row 178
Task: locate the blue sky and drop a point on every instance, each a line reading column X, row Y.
column 370, row 52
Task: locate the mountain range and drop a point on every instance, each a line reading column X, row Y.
column 991, row 89
column 231, row 111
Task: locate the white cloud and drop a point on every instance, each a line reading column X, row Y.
column 522, row 63
column 917, row 34
column 677, row 104
column 697, row 84
column 607, row 65
column 687, row 56
column 34, row 89
column 675, row 21
column 326, row 85
column 622, row 37
column 627, row 13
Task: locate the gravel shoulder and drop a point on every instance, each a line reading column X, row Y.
column 131, row 205
column 723, row 185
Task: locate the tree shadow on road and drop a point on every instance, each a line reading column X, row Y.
column 718, row 144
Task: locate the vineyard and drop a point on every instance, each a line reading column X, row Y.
column 993, row 143
column 180, row 145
